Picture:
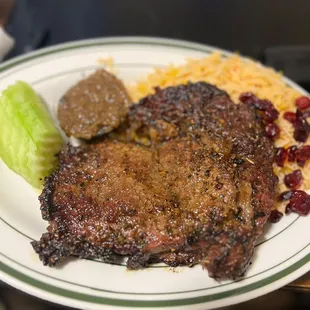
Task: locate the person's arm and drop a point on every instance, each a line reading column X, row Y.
column 6, row 41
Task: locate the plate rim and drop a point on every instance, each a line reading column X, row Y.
column 110, row 40
column 270, row 283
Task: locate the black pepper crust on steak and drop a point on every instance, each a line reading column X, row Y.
column 188, row 179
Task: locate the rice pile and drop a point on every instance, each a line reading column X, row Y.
column 234, row 75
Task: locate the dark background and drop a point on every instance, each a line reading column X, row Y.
column 243, row 25
column 276, row 32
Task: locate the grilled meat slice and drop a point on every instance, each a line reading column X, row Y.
column 94, row 106
column 188, row 179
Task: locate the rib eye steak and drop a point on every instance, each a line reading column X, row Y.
column 187, row 179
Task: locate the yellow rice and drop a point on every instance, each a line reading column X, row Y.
column 235, row 75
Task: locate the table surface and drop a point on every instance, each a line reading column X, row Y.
column 302, row 283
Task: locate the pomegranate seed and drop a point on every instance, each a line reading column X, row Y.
column 248, row 98
column 285, row 196
column 303, row 102
column 299, row 203
column 294, row 179
column 272, row 130
column 270, row 115
column 275, row 216
column 263, row 105
column 288, row 209
column 301, row 126
column 281, row 155
column 302, row 155
column 291, row 153
column 290, row 116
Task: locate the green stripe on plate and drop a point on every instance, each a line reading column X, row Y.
column 158, row 303
column 109, row 41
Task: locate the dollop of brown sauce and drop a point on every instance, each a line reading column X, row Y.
column 94, row 106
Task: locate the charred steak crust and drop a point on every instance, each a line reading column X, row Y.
column 188, row 179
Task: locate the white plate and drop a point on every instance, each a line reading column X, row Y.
column 281, row 256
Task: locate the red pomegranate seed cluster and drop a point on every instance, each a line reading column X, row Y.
column 299, row 119
column 267, row 112
column 303, row 102
column 293, row 180
column 291, row 153
column 272, row 130
column 300, row 155
column 299, row 202
column 281, row 155
column 290, row 116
